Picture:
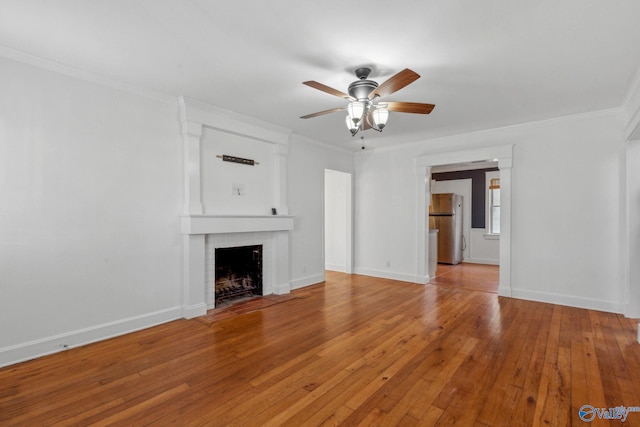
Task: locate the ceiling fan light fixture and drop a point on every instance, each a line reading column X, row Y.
column 356, row 110
column 353, row 128
column 380, row 117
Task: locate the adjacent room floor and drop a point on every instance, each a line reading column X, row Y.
column 475, row 277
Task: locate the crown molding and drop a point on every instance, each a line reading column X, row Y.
column 36, row 61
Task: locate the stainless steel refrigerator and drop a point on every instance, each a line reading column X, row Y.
column 445, row 215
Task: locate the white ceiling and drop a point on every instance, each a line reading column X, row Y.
column 485, row 64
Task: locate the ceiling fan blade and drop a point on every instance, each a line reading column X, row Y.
column 322, row 113
column 395, row 83
column 409, row 107
column 327, row 89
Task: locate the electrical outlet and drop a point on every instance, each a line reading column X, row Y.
column 388, row 263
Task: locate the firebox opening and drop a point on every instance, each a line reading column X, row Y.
column 238, row 272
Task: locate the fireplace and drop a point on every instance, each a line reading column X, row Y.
column 238, row 273
column 224, row 220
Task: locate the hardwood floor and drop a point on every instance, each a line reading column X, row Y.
column 355, row 350
column 475, row 277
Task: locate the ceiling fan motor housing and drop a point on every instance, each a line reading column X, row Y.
column 360, row 89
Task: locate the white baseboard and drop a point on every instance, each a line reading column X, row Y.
column 388, row 275
column 54, row 344
column 482, row 261
column 504, row 291
column 283, row 288
column 191, row 311
column 632, row 311
column 569, row 300
column 335, row 267
column 307, row 281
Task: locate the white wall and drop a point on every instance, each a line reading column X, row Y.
column 90, row 196
column 567, row 222
column 307, row 162
column 483, row 249
column 386, row 239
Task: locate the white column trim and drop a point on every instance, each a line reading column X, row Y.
column 631, row 252
column 631, row 107
column 193, row 283
column 280, row 153
column 505, row 165
column 191, row 135
column 423, row 195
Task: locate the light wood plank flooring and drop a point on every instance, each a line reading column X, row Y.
column 474, row 277
column 355, row 350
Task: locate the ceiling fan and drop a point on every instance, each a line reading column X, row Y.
column 364, row 110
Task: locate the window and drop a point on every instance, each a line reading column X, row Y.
column 494, row 206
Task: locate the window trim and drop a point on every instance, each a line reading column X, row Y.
column 488, row 235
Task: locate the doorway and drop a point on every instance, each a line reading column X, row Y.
column 338, row 233
column 478, row 271
column 502, row 154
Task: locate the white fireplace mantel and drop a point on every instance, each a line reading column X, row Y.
column 217, row 224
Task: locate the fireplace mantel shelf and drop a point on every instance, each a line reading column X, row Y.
column 214, row 224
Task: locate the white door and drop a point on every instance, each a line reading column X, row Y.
column 337, row 221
